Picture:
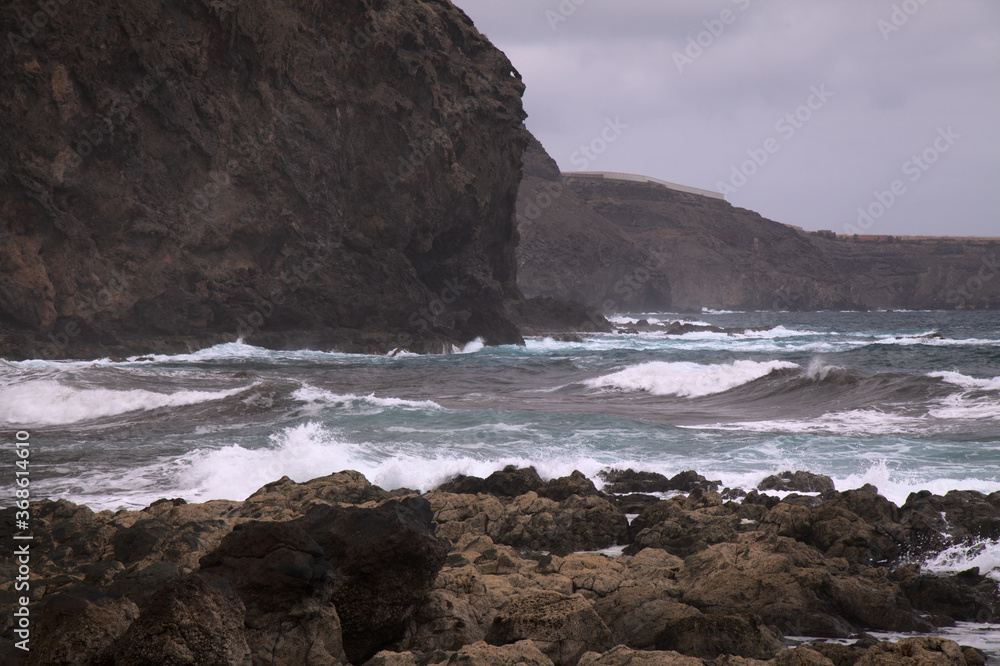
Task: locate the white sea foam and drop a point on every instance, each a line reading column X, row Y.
column 314, row 395
column 306, row 451
column 48, row 402
column 983, row 554
column 966, row 382
column 687, row 380
column 855, row 422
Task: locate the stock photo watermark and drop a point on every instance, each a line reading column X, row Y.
column 705, row 39
column 786, row 127
column 22, row 538
column 587, row 153
column 562, row 13
column 914, row 169
column 899, row 17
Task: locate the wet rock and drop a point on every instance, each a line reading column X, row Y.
column 805, row 482
column 563, row 627
column 966, row 597
column 195, row 620
column 508, row 482
column 965, row 515
column 690, row 480
column 637, row 614
column 633, row 504
column 710, row 636
column 683, row 526
column 622, row 481
column 78, row 627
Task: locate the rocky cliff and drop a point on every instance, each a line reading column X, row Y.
column 596, row 240
column 177, row 173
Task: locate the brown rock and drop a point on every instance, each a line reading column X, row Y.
column 801, row 656
column 710, row 636
column 805, row 482
column 624, row 656
column 563, row 627
column 924, row 651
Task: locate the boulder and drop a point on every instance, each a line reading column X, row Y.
column 385, row 560
column 801, row 656
column 508, row 482
column 922, row 651
column 965, row 597
column 683, row 526
column 198, row 619
column 803, row 482
column 285, row 499
column 563, row 627
column 564, row 487
column 964, row 515
column 78, row 627
column 710, row 636
column 624, row 481
column 285, row 584
column 515, row 654
column 793, row 587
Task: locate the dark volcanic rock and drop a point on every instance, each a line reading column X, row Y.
column 511, row 481
column 78, row 627
column 805, row 482
column 564, row 487
column 303, row 175
column 621, row 481
column 710, row 636
column 194, row 620
column 385, row 560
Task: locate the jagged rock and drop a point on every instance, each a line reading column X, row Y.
column 710, row 636
column 78, row 627
column 690, row 481
column 633, row 504
column 508, row 482
column 482, row 654
column 923, row 651
column 624, row 656
column 966, row 597
column 198, row 619
column 805, row 482
column 801, row 656
column 965, row 515
column 793, row 587
column 637, row 614
column 285, row 500
column 843, row 655
column 385, row 559
column 622, row 481
column 531, row 522
column 564, row 487
column 563, row 627
column 285, row 583
column 683, row 526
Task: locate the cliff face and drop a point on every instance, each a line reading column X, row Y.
column 177, row 173
column 718, row 256
column 570, row 251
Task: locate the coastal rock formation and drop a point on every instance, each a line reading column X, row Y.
column 178, row 174
column 338, row 571
column 627, row 246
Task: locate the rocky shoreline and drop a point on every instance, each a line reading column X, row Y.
column 496, row 571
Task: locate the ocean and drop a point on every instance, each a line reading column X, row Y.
column 902, row 400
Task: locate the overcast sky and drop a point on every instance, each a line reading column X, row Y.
column 699, row 88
